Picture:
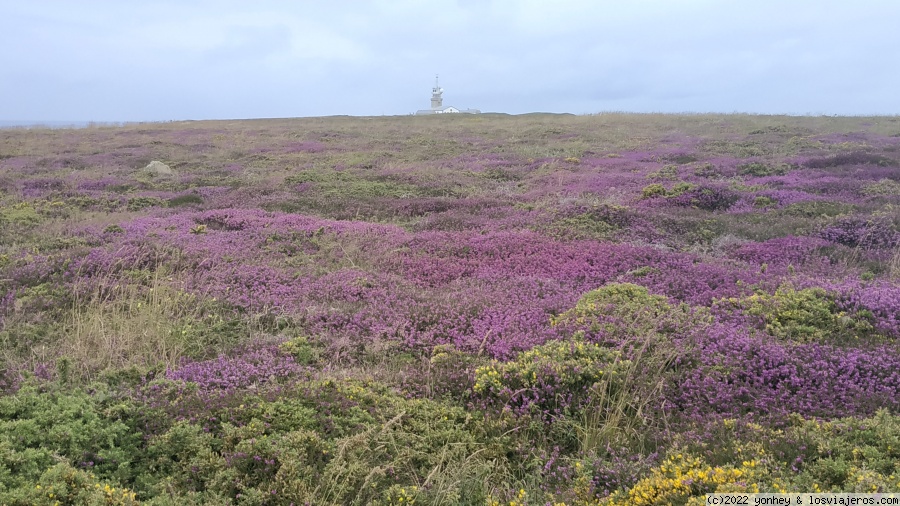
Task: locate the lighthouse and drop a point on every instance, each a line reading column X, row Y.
column 436, row 100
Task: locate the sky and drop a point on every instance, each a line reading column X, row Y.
column 63, row 60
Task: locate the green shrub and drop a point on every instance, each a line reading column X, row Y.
column 653, row 190
column 120, row 188
column 22, row 214
column 39, row 428
column 450, row 374
column 707, row 170
column 757, row 169
column 806, row 315
column 138, row 203
column 621, row 312
column 817, row 208
column 679, row 188
column 185, row 200
column 303, row 351
column 390, row 447
column 645, row 270
column 64, row 484
column 584, row 226
column 500, row 174
column 569, row 365
column 884, row 187
column 764, row 202
column 669, row 172
column 848, row 455
column 658, row 190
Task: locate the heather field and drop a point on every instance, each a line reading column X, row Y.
column 456, row 309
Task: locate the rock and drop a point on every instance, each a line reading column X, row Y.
column 158, row 168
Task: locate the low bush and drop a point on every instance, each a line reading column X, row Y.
column 550, row 379
column 41, row 427
column 139, row 203
column 850, row 158
column 669, row 172
column 866, row 232
column 806, row 315
column 882, row 187
column 764, row 202
column 185, row 200
column 757, row 169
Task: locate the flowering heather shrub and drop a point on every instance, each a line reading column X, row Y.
column 879, row 301
column 253, row 366
column 790, row 250
column 743, row 375
column 851, row 158
column 862, row 231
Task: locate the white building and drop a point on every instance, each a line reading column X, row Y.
column 437, row 103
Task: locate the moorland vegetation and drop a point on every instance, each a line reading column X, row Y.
column 486, row 309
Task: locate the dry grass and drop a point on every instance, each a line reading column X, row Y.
column 128, row 325
column 894, row 266
column 618, row 414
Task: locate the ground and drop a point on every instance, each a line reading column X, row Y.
column 491, row 309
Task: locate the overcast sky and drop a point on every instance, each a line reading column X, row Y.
column 197, row 59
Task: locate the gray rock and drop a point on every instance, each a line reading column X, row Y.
column 158, row 168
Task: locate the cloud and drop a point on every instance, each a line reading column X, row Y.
column 204, row 58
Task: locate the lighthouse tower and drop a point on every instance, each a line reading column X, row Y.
column 436, row 101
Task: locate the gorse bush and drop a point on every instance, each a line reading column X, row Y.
column 551, row 378
column 654, row 190
column 64, row 484
column 42, row 428
column 669, row 172
column 388, row 447
column 763, row 201
column 138, row 203
column 682, row 479
column 625, row 313
column 807, row 315
column 594, row 222
column 658, row 190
